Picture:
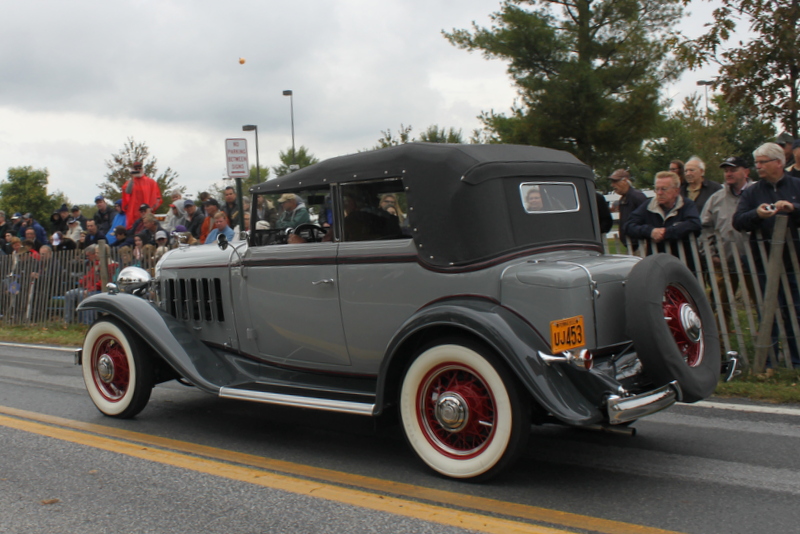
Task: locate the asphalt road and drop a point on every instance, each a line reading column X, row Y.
column 194, row 463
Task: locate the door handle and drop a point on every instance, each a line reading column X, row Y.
column 325, row 281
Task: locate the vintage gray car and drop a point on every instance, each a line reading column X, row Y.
column 463, row 288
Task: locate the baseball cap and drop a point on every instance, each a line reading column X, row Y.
column 98, row 198
column 211, row 202
column 784, row 139
column 76, row 208
column 161, row 234
column 16, row 216
column 181, row 228
column 118, row 202
column 144, row 207
column 189, row 202
column 733, row 161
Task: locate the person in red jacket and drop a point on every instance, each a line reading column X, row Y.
column 140, row 189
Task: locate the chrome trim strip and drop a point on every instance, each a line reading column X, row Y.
column 626, row 409
column 358, row 408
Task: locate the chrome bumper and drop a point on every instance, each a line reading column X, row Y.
column 626, row 409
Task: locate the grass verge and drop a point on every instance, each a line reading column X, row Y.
column 50, row 334
column 775, row 385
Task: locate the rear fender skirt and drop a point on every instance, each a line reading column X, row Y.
column 511, row 338
column 171, row 340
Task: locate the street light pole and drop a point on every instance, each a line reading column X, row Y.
column 706, row 83
column 250, row 128
column 289, row 93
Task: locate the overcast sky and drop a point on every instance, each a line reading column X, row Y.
column 78, row 78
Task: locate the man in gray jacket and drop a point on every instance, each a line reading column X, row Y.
column 717, row 218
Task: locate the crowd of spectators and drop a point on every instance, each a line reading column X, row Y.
column 725, row 217
column 134, row 234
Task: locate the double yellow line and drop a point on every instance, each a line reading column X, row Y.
column 443, row 507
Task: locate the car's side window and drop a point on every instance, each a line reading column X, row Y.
column 293, row 217
column 374, row 211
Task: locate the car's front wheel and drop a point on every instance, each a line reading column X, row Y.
column 117, row 369
column 463, row 412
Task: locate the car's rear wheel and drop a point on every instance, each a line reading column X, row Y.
column 463, row 412
column 672, row 326
column 117, row 369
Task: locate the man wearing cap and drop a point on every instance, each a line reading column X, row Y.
column 138, row 225
column 786, row 142
column 140, row 189
column 696, row 187
column 212, row 207
column 104, row 216
column 162, row 239
column 717, row 218
column 194, row 218
column 76, row 214
column 294, row 211
column 630, row 198
column 16, row 223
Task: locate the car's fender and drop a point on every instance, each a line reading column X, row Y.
column 513, row 339
column 171, row 340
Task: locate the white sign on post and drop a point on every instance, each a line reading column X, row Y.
column 236, row 156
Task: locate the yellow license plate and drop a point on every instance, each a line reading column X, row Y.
column 566, row 334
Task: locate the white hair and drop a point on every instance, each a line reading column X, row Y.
column 699, row 162
column 771, row 151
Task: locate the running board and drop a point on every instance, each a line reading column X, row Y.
column 330, row 405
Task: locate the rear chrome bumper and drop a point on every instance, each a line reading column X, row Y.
column 627, row 409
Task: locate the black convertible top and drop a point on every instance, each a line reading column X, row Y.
column 424, row 161
column 464, row 200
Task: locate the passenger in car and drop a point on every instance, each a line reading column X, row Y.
column 533, row 200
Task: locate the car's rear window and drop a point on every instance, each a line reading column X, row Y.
column 549, row 197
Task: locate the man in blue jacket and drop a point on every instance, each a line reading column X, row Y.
column 667, row 219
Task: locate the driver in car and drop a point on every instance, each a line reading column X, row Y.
column 294, row 211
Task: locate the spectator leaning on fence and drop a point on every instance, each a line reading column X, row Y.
column 776, row 193
column 631, row 198
column 724, row 241
column 668, row 218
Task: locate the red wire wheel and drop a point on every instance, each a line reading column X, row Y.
column 117, row 369
column 463, row 412
column 456, row 410
column 684, row 324
column 672, row 326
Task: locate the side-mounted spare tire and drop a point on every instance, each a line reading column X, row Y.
column 672, row 326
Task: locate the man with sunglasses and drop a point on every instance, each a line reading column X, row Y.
column 140, row 189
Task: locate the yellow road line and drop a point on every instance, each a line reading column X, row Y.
column 531, row 513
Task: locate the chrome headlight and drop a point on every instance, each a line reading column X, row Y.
column 132, row 279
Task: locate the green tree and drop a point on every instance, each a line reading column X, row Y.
column 588, row 72
column 388, row 139
column 25, row 191
column 304, row 158
column 118, row 172
column 434, row 134
column 763, row 73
